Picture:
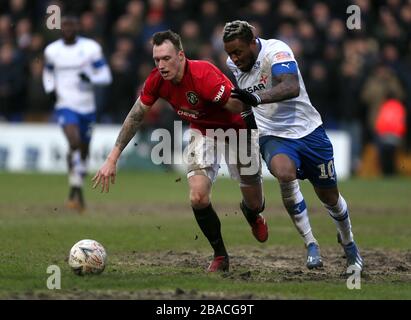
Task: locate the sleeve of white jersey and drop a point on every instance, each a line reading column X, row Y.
column 98, row 70
column 280, row 52
column 48, row 72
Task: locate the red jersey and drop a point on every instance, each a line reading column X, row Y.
column 198, row 98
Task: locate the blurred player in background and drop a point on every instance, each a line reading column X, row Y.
column 73, row 65
column 199, row 93
column 293, row 142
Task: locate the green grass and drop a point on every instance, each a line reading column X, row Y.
column 147, row 213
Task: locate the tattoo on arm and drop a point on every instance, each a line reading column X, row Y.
column 285, row 86
column 132, row 123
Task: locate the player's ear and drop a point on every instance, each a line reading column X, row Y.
column 181, row 55
column 253, row 42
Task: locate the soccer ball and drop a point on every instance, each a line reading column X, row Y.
column 87, row 257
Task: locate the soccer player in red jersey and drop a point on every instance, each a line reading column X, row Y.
column 200, row 93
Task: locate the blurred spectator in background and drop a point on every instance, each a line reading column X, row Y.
column 209, row 18
column 123, row 90
column 12, row 83
column 18, row 9
column 191, row 37
column 39, row 107
column 177, row 12
column 6, row 32
column 390, row 128
column 381, row 83
column 99, row 8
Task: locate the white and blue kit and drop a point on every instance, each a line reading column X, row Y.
column 292, row 127
column 75, row 97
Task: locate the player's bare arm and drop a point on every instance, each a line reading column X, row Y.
column 285, row 86
column 130, row 126
column 234, row 106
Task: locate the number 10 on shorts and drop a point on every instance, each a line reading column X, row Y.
column 327, row 170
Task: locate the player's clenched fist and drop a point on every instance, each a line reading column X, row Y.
column 246, row 97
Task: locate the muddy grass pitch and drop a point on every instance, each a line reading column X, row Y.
column 156, row 251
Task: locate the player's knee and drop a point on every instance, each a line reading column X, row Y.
column 330, row 199
column 199, row 200
column 74, row 144
column 328, row 196
column 283, row 169
column 285, row 176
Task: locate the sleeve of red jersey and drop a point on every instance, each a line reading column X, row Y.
column 149, row 93
column 215, row 86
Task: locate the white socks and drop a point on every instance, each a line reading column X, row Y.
column 294, row 203
column 339, row 213
column 78, row 170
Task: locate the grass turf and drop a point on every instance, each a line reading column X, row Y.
column 147, row 215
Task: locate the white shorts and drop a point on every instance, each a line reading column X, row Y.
column 240, row 151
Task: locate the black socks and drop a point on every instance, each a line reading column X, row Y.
column 210, row 225
column 250, row 215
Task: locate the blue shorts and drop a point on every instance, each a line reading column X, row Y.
column 313, row 156
column 85, row 122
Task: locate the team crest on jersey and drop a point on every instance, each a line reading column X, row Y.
column 192, row 98
column 282, row 56
column 257, row 65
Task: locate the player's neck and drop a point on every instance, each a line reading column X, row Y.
column 257, row 49
column 70, row 41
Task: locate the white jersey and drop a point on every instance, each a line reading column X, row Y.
column 64, row 63
column 292, row 118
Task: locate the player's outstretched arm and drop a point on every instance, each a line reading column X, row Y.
column 98, row 77
column 286, row 87
column 132, row 123
column 234, row 106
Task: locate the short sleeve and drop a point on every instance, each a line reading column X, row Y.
column 97, row 57
column 280, row 52
column 216, row 87
column 282, row 59
column 149, row 94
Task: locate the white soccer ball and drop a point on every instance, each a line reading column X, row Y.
column 87, row 257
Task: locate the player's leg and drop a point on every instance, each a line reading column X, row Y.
column 81, row 173
column 201, row 176
column 318, row 163
column 247, row 171
column 282, row 161
column 70, row 123
column 86, row 126
column 283, row 168
column 72, row 133
column 252, row 206
column 207, row 218
column 338, row 210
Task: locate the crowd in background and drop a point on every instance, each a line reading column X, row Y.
column 349, row 74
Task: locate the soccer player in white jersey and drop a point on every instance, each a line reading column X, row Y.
column 73, row 65
column 293, row 142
